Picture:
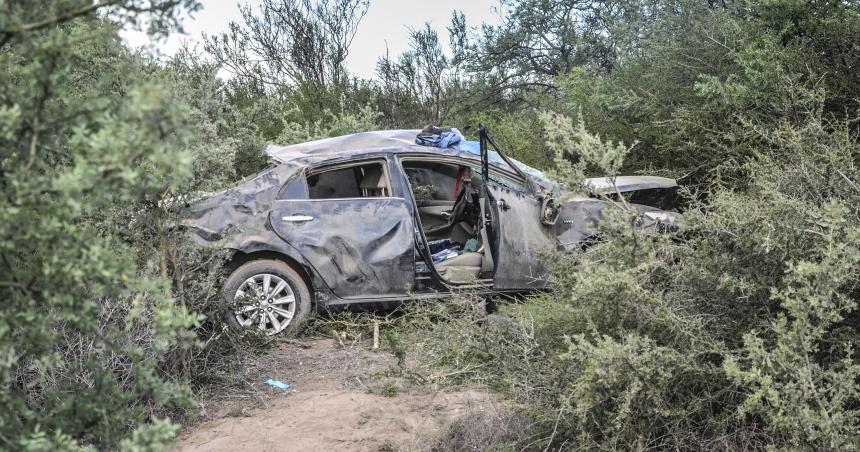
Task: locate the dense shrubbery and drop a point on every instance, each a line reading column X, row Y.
column 739, row 333
column 88, row 322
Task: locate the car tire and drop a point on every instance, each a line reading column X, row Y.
column 267, row 294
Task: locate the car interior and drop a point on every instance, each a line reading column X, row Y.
column 449, row 203
column 357, row 181
column 450, row 209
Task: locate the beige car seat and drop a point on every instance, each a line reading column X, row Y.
column 373, row 184
column 461, row 269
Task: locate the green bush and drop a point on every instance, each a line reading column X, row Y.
column 108, row 315
column 87, row 322
column 738, row 332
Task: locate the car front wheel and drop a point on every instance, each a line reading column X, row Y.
column 266, row 294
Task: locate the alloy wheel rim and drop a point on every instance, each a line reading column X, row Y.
column 265, row 300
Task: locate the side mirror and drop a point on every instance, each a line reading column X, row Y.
column 549, row 211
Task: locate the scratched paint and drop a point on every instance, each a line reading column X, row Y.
column 365, row 248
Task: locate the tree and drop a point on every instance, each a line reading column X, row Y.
column 293, row 46
column 86, row 322
column 420, row 87
column 538, row 40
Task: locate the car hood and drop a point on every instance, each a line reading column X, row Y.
column 655, row 198
column 626, row 184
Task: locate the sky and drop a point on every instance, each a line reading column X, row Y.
column 387, row 23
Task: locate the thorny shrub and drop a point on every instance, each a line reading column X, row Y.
column 738, row 332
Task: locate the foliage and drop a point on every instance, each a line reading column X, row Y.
column 296, row 48
column 578, row 152
column 420, row 86
column 739, row 332
column 87, row 322
column 519, row 133
column 329, row 125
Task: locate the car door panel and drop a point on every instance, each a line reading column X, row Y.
column 519, row 240
column 361, row 247
column 436, row 216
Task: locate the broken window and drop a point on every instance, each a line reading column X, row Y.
column 358, row 181
column 449, row 209
column 434, row 181
column 506, row 182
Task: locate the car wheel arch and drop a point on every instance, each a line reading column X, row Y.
column 240, row 257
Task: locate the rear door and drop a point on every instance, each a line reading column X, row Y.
column 520, row 241
column 358, row 237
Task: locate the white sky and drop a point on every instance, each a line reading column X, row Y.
column 387, row 21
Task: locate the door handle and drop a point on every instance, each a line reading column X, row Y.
column 503, row 205
column 297, row 218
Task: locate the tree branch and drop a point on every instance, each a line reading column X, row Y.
column 65, row 17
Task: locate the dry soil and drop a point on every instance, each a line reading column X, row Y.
column 339, row 399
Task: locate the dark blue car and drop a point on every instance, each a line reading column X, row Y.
column 375, row 217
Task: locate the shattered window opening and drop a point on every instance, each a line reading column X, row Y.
column 434, row 181
column 448, row 206
column 504, row 182
column 367, row 180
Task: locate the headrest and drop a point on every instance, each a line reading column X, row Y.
column 373, row 178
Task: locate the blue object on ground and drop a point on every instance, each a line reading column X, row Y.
column 277, row 384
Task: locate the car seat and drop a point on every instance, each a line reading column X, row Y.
column 461, row 269
column 373, row 184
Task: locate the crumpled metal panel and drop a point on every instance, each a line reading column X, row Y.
column 361, row 247
column 577, row 221
column 580, row 217
column 354, row 247
column 227, row 217
column 347, row 144
column 521, row 240
column 237, row 218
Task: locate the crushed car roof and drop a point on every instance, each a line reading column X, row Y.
column 365, row 141
column 397, row 141
column 404, row 141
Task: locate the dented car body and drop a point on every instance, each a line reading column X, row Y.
column 374, row 217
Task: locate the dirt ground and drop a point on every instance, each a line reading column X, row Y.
column 339, row 399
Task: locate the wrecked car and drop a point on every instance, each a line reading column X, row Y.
column 376, row 217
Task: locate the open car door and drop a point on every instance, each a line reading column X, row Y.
column 519, row 238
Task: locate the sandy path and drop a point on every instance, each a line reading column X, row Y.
column 330, row 408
